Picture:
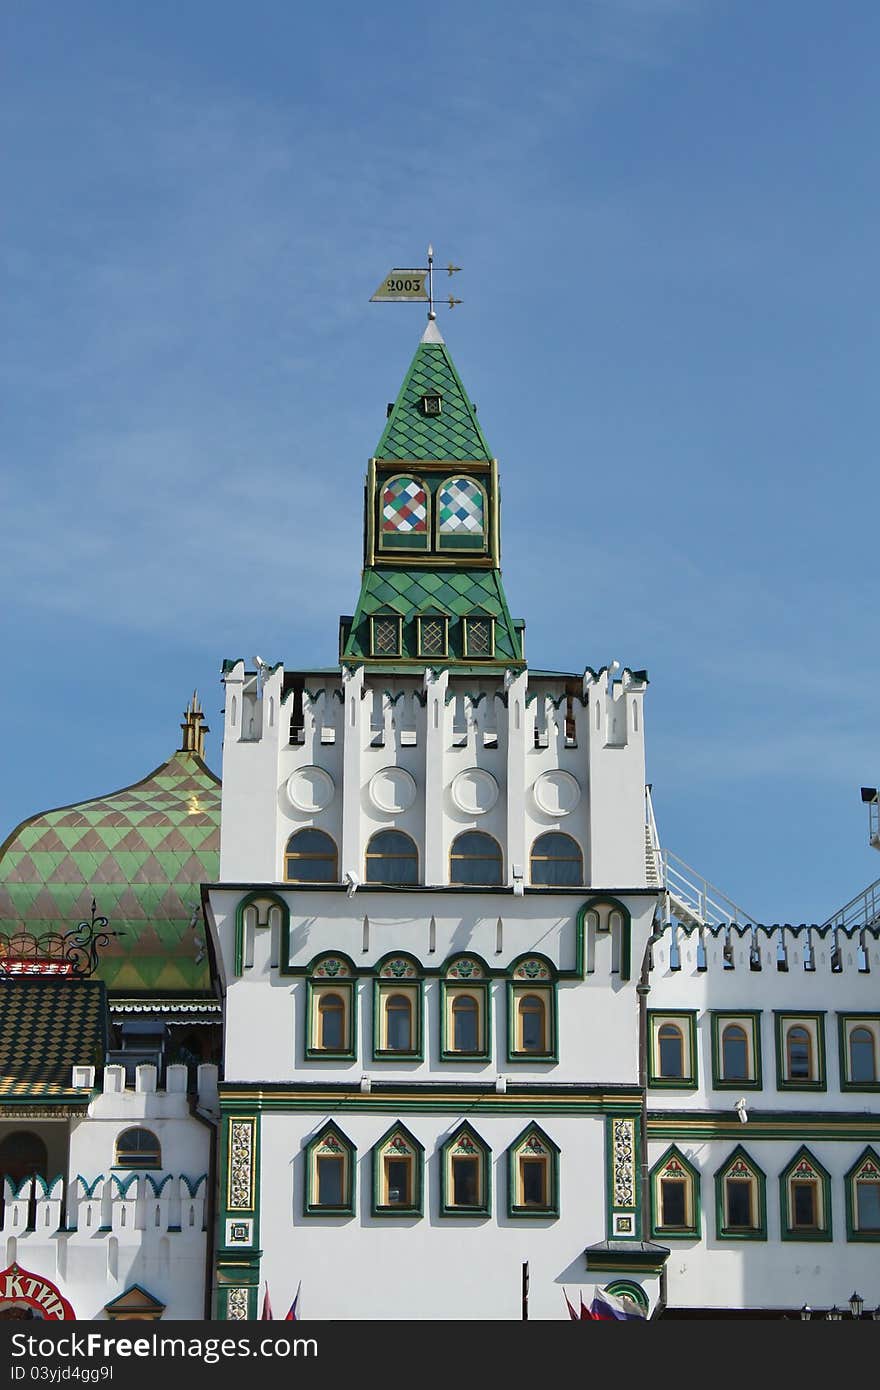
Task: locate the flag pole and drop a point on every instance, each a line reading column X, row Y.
column 525, row 1291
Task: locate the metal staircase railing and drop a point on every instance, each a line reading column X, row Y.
column 690, row 898
column 861, row 911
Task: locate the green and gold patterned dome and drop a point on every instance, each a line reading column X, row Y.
column 142, row 854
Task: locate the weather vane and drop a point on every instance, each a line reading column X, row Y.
column 416, row 283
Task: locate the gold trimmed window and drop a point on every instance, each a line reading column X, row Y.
column 311, row 857
column 533, row 1175
column 798, row 1054
column 330, row 1172
column 556, row 861
column 464, row 1175
column 479, row 637
column 475, row 858
column 397, row 1174
column 137, row 1148
column 392, row 858
column 675, row 1196
column 860, row 1048
column 531, row 1022
column 863, row 1197
column 330, row 1008
column 805, row 1199
column 433, row 635
column 385, row 635
column 740, row 1194
column 670, row 1051
column 397, row 1010
column 735, row 1065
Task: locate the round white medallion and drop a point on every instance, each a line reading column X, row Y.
column 392, row 790
column 310, row 789
column 557, row 793
column 474, row 791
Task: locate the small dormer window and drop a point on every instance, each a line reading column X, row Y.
column 479, row 637
column 385, row 636
column 432, row 403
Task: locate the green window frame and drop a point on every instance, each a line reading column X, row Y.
column 805, row 1186
column 398, row 1174
column 680, row 1022
column 329, row 976
column 330, row 1158
column 737, row 1173
column 675, row 1170
column 533, row 1175
column 792, row 1052
column 398, row 980
column 532, row 983
column 466, row 978
column 862, row 1184
column 465, row 1161
column 749, row 1020
column 848, row 1025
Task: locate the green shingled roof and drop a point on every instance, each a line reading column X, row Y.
column 456, row 592
column 142, row 853
column 454, row 433
column 46, row 1028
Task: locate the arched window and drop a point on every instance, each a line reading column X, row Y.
column 475, row 858
column 465, row 1023
column 392, row 858
column 331, row 1022
column 532, row 1019
column 556, row 861
column 398, row 1023
column 138, row 1148
column 670, row 1044
column 735, row 1053
column 862, row 1058
column 798, row 1054
column 310, row 857
column 23, row 1155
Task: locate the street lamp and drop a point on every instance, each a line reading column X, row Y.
column 856, row 1304
column 834, row 1314
column 806, row 1313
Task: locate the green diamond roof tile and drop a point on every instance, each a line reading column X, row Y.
column 109, row 848
column 453, row 434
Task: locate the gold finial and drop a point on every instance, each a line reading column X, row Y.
column 194, row 728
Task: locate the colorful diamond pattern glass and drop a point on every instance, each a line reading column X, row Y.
column 461, row 507
column 404, row 506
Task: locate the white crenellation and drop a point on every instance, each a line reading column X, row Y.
column 435, row 725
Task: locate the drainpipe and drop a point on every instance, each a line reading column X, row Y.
column 211, row 1207
column 643, row 989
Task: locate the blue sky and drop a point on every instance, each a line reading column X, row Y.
column 666, row 212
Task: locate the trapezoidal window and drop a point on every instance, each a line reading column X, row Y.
column 397, row 1174
column 475, row 858
column 137, row 1148
column 533, row 1175
column 310, row 857
column 330, row 1174
column 556, row 861
column 392, row 858
column 863, row 1198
